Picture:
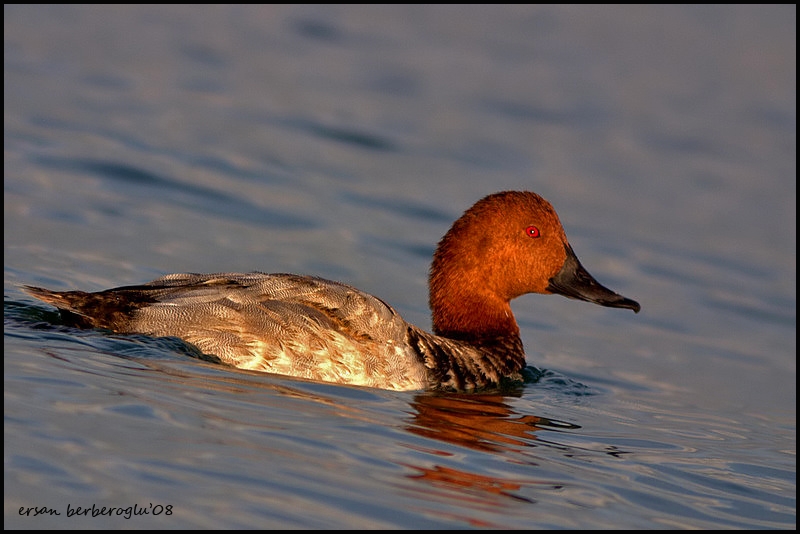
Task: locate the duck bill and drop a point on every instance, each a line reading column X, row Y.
column 575, row 282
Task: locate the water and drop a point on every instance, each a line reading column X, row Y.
column 342, row 141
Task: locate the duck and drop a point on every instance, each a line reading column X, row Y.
column 506, row 245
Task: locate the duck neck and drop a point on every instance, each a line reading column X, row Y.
column 478, row 338
column 476, row 318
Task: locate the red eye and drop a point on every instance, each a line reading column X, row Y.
column 532, row 231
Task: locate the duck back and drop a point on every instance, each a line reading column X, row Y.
column 281, row 323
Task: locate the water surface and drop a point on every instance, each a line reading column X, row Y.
column 342, row 141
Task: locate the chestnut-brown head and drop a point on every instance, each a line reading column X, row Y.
column 507, row 244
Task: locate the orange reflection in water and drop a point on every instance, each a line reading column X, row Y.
column 484, row 423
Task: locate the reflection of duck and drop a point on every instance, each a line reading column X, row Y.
column 483, row 422
column 470, row 486
column 480, row 422
column 504, row 246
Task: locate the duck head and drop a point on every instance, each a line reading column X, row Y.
column 506, row 245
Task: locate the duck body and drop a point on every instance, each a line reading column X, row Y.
column 293, row 325
column 506, row 245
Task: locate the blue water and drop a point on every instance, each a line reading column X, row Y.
column 342, row 141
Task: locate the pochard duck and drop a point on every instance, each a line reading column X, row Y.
column 506, row 245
